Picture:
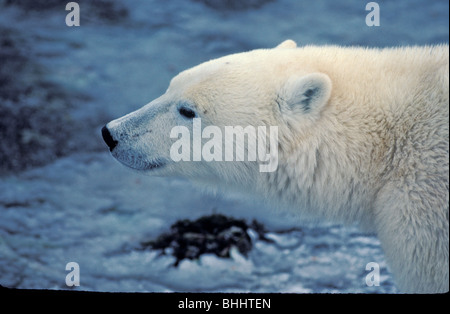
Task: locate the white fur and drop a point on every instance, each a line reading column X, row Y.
column 364, row 137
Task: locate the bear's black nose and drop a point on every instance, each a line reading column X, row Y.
column 108, row 138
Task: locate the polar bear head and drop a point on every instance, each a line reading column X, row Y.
column 250, row 92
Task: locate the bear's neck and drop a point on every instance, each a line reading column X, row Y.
column 321, row 179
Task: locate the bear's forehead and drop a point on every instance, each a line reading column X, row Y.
column 240, row 67
column 206, row 70
column 199, row 73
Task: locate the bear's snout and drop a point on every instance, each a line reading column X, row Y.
column 107, row 137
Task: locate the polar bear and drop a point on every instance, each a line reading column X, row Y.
column 363, row 137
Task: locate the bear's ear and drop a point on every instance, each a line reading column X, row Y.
column 287, row 44
column 305, row 94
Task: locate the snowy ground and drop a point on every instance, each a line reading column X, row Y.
column 86, row 208
column 89, row 209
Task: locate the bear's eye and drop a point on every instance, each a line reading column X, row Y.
column 186, row 112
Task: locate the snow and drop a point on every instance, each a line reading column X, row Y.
column 86, row 208
column 89, row 209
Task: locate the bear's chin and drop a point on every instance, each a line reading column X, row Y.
column 140, row 164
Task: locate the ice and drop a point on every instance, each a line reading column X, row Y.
column 289, row 240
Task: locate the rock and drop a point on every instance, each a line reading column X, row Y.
column 215, row 234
